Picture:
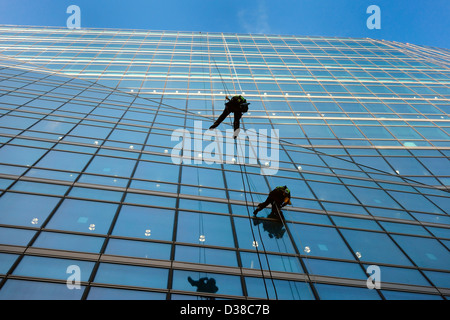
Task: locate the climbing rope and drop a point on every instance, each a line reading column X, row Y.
column 259, row 229
column 227, row 92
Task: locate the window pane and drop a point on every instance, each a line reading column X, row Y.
column 317, row 131
column 6, row 261
column 263, row 234
column 25, row 209
column 64, row 160
column 140, row 249
column 97, row 194
column 5, row 183
column 202, row 177
column 147, row 223
column 128, row 136
column 206, row 255
column 374, row 197
column 413, row 201
column 20, row 155
column 402, row 275
column 335, row 269
column 285, row 290
column 111, row 166
column 356, row 223
column 407, row 166
column 319, row 241
column 157, row 171
column 99, row 133
column 46, row 188
column 399, row 295
column 425, row 252
column 34, row 290
column 375, row 247
column 52, row 126
column 404, row 228
column 276, row 262
column 97, row 293
column 132, row 275
column 332, row 192
column 16, row 122
column 146, row 199
column 71, row 242
column 50, row 174
column 83, row 216
column 206, row 282
column 331, row 292
column 203, row 205
column 439, row 279
column 52, row 268
column 13, row 236
column 215, row 229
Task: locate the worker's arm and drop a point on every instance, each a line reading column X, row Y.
column 286, row 201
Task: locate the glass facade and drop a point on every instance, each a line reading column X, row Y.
column 87, row 178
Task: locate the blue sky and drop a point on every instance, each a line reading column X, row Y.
column 423, row 22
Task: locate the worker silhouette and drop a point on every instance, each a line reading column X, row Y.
column 273, row 227
column 238, row 105
column 278, row 198
column 204, row 284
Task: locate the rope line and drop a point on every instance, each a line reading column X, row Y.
column 259, row 229
column 246, row 204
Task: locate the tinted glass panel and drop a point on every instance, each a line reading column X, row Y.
column 215, row 229
column 375, row 247
column 52, row 268
column 25, row 209
column 147, row 223
column 34, row 290
column 131, row 275
column 83, row 216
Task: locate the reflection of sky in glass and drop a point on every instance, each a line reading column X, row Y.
column 86, row 172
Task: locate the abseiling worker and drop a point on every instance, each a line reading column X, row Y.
column 278, row 198
column 237, row 105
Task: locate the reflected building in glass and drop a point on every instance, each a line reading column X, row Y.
column 92, row 205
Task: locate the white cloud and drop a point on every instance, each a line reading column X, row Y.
column 255, row 20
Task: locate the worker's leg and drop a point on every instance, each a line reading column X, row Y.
column 237, row 119
column 262, row 205
column 222, row 117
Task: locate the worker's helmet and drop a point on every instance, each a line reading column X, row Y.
column 239, row 98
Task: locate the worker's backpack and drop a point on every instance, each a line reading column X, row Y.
column 243, row 104
column 244, row 107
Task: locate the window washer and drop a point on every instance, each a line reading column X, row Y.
column 238, row 105
column 278, row 198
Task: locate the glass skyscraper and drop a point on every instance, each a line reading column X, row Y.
column 92, row 205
